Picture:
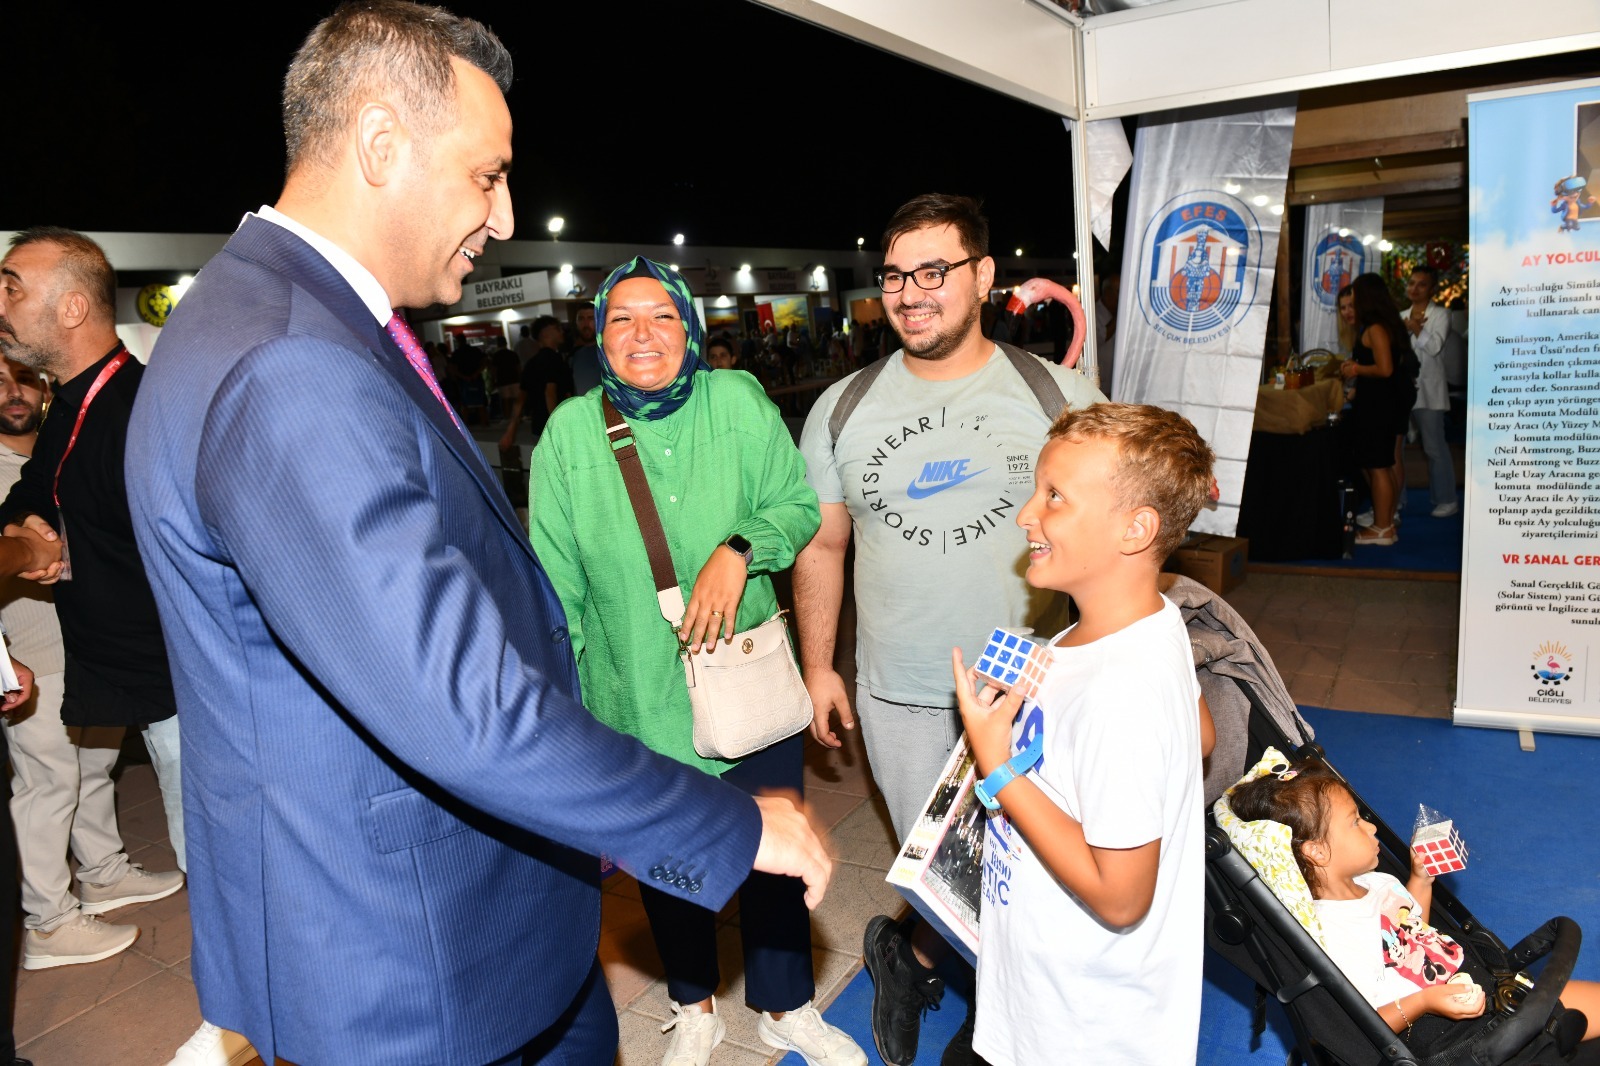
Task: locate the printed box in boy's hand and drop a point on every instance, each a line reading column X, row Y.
column 1436, row 843
column 940, row 866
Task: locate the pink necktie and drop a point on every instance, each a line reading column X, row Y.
column 401, row 332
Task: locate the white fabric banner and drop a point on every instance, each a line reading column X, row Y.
column 1341, row 242
column 1109, row 156
column 1205, row 209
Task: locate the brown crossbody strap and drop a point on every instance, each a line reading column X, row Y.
column 626, row 453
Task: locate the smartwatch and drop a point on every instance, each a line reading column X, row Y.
column 741, row 547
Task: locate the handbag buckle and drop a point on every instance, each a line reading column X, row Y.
column 748, row 646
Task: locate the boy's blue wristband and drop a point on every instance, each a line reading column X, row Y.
column 988, row 790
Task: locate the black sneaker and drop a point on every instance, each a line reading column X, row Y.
column 902, row 990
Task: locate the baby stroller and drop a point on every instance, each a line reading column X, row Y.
column 1248, row 925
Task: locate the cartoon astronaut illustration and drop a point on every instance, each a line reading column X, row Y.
column 1571, row 198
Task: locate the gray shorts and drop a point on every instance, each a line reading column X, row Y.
column 907, row 746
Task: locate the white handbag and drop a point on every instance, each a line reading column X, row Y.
column 746, row 695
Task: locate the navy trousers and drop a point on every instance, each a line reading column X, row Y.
column 774, row 924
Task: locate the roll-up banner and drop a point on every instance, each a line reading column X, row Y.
column 1205, row 208
column 1341, row 243
column 1530, row 577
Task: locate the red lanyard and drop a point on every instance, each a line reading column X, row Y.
column 99, row 383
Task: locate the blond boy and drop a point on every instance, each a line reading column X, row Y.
column 1093, row 860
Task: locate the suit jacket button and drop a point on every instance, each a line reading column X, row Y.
column 694, row 886
column 657, row 872
column 559, row 634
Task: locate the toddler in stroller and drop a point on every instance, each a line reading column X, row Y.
column 1421, row 982
column 1375, row 928
column 1257, row 926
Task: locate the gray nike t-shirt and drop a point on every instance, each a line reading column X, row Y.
column 934, row 474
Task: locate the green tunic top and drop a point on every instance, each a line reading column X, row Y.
column 723, row 463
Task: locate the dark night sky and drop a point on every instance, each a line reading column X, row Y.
column 771, row 132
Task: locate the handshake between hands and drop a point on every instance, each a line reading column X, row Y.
column 33, row 550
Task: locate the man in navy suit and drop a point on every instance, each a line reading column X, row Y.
column 394, row 792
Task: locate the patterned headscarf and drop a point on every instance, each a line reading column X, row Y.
column 633, row 402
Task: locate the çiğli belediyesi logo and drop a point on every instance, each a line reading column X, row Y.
column 1552, row 665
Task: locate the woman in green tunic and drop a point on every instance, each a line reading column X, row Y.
column 730, row 487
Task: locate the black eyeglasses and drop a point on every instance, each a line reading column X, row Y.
column 928, row 277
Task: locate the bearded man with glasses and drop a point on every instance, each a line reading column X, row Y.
column 925, row 456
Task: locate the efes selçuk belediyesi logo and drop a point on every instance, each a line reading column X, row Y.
column 1337, row 260
column 1552, row 665
column 1199, row 255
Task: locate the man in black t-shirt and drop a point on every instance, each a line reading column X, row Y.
column 546, row 381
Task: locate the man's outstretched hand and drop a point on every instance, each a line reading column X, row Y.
column 792, row 846
column 31, row 550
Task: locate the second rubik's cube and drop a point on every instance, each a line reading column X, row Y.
column 1438, row 848
column 1012, row 662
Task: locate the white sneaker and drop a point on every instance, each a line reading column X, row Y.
column 83, row 939
column 213, row 1046
column 804, row 1030
column 698, row 1034
column 1446, row 510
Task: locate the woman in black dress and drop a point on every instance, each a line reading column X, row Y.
column 1385, row 392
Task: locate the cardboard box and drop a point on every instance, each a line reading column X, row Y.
column 1216, row 562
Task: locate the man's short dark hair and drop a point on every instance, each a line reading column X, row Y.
column 544, row 322
column 1432, row 274
column 83, row 260
column 941, row 209
column 381, row 49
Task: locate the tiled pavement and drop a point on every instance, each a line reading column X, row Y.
column 1349, row 643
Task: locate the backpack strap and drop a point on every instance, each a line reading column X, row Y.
column 851, row 397
column 1032, row 369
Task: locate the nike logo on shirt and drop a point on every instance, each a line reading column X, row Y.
column 941, row 475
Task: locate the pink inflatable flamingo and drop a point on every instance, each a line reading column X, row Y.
column 1037, row 290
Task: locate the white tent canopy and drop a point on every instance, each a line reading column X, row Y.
column 1161, row 54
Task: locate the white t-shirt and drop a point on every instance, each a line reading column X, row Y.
column 1122, row 757
column 1382, row 945
column 933, row 474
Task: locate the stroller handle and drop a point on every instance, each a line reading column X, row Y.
column 1560, row 939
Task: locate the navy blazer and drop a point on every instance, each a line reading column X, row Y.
column 392, row 793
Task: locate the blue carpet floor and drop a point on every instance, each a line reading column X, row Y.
column 1525, row 817
column 1426, row 544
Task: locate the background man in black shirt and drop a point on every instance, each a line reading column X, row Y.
column 59, row 310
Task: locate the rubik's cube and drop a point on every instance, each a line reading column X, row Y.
column 1012, row 662
column 1438, row 848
